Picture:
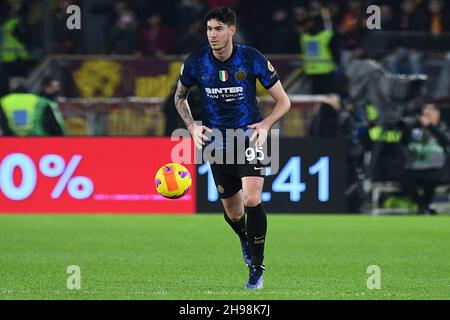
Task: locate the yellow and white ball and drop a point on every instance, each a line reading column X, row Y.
column 173, row 181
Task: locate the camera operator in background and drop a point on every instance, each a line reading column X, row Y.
column 390, row 95
column 427, row 141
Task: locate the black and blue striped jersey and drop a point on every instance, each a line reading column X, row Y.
column 228, row 88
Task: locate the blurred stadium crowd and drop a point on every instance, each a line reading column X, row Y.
column 30, row 30
column 176, row 26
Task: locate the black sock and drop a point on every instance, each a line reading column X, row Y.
column 238, row 226
column 256, row 232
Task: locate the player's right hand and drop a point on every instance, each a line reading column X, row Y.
column 197, row 133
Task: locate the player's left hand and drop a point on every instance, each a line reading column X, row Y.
column 261, row 132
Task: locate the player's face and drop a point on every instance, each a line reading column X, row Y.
column 219, row 34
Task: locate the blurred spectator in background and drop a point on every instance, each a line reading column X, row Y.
column 13, row 52
column 437, row 23
column 122, row 36
column 4, row 82
column 194, row 38
column 378, row 42
column 24, row 114
column 65, row 41
column 155, row 38
column 410, row 18
column 222, row 3
column 387, row 14
column 320, row 52
column 427, row 140
column 443, row 87
column 351, row 27
column 51, row 88
column 281, row 32
column 407, row 58
column 165, row 9
column 300, row 15
column 188, row 12
column 315, row 7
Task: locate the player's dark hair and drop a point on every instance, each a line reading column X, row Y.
column 222, row 14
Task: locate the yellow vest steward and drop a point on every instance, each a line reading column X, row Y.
column 11, row 49
column 317, row 55
column 24, row 113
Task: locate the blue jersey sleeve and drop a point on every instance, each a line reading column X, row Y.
column 187, row 76
column 264, row 70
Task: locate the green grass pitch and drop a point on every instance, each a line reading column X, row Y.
column 198, row 257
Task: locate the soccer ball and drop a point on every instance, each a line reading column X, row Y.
column 173, row 181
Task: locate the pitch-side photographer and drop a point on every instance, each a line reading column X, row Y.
column 427, row 141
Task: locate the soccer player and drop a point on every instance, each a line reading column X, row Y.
column 226, row 75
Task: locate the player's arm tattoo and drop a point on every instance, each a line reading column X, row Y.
column 181, row 103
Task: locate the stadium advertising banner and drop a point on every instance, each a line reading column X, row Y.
column 86, row 175
column 103, row 77
column 311, row 179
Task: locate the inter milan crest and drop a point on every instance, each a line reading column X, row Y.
column 223, row 75
column 240, row 75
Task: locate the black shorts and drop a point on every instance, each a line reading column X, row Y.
column 228, row 176
column 227, row 173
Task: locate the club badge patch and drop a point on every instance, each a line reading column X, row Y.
column 270, row 67
column 240, row 75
